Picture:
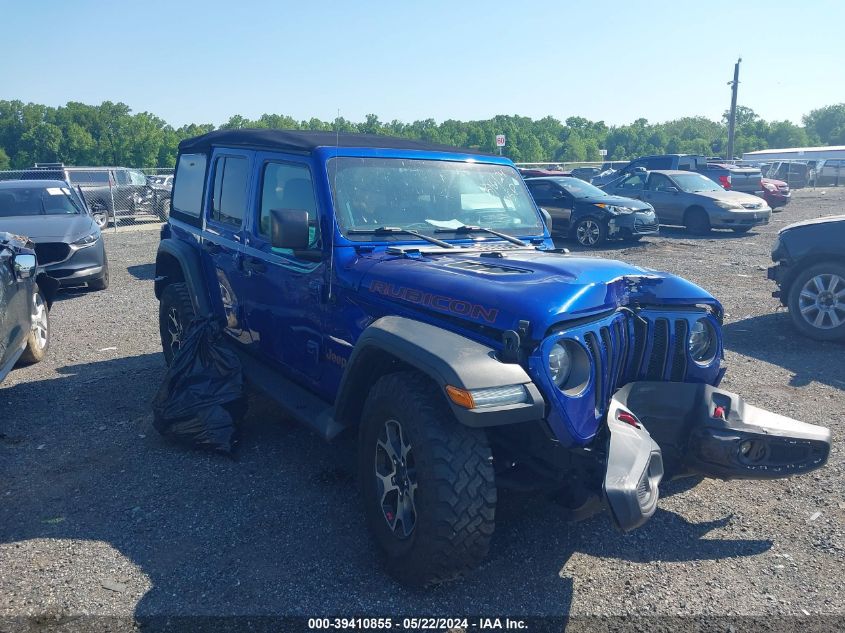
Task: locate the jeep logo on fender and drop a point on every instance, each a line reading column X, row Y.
column 438, row 302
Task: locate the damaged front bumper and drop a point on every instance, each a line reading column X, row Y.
column 666, row 430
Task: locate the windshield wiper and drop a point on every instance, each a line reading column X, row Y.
column 466, row 228
column 395, row 230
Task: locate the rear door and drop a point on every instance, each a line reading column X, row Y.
column 222, row 241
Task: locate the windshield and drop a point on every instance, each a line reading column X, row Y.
column 693, row 183
column 580, row 189
column 18, row 201
column 428, row 196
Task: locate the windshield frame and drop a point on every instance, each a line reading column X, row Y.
column 534, row 229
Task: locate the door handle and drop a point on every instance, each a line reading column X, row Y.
column 254, row 265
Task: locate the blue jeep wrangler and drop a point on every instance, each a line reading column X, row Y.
column 412, row 292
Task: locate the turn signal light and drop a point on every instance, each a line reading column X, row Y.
column 460, row 397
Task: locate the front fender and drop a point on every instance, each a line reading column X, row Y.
column 448, row 359
column 190, row 264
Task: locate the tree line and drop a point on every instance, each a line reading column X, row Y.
column 111, row 134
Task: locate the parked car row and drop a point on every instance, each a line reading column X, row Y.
column 116, row 193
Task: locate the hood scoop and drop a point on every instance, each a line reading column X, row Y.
column 487, row 268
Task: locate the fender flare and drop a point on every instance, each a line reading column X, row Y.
column 448, row 359
column 191, row 266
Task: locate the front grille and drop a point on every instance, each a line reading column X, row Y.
column 625, row 348
column 51, row 252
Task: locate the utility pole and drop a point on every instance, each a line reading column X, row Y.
column 732, row 120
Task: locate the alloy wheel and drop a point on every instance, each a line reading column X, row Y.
column 822, row 301
column 174, row 330
column 588, row 233
column 396, row 479
column 40, row 323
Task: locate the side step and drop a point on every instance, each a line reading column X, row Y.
column 296, row 401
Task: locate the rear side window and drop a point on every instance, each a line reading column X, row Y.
column 187, row 190
column 661, row 162
column 228, row 202
column 89, row 177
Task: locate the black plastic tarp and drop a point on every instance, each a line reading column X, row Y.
column 202, row 398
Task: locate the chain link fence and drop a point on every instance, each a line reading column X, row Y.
column 119, row 198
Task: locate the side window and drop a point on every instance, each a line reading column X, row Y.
column 287, row 186
column 633, row 182
column 660, row 162
column 541, row 190
column 188, row 185
column 228, row 200
column 122, row 176
column 659, row 182
column 137, row 178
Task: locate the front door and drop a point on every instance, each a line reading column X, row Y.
column 285, row 296
column 222, row 242
column 555, row 200
column 665, row 197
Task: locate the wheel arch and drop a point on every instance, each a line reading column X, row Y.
column 693, row 208
column 395, row 343
column 805, row 263
column 176, row 262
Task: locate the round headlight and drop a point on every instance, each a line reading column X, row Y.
column 703, row 342
column 560, row 364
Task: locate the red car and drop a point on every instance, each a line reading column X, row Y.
column 775, row 192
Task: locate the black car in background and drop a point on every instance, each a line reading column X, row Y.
column 589, row 215
column 810, row 274
column 67, row 241
column 25, row 298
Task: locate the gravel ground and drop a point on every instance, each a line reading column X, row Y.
column 99, row 515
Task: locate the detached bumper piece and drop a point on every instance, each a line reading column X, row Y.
column 671, row 429
column 712, row 432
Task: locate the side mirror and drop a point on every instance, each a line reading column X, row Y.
column 25, row 266
column 671, row 190
column 289, row 229
column 547, row 218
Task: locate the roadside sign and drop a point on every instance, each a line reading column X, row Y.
column 500, row 140
column 602, row 152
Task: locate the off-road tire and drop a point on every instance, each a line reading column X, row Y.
column 794, row 301
column 103, row 281
column 35, row 352
column 593, row 229
column 455, row 498
column 175, row 302
column 697, row 221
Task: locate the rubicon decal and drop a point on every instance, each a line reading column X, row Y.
column 438, row 302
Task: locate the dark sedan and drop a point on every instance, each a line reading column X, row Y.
column 810, row 274
column 589, row 215
column 25, row 298
column 67, row 240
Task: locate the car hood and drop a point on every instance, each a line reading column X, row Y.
column 734, row 196
column 618, row 201
column 541, row 287
column 50, row 228
column 836, row 219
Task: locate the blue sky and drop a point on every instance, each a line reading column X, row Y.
column 616, row 61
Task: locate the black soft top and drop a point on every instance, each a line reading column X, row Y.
column 300, row 141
